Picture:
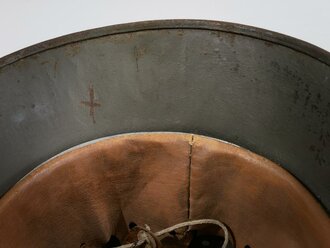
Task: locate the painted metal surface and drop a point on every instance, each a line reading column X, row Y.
column 261, row 90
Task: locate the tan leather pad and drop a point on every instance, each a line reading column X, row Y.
column 82, row 197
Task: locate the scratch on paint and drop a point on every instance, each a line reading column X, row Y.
column 92, row 104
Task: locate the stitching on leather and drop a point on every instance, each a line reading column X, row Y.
column 191, row 142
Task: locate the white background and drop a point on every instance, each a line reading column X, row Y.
column 27, row 22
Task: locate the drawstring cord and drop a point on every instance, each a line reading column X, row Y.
column 152, row 240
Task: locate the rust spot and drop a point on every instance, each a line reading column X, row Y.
column 72, row 49
column 296, row 96
column 312, row 148
column 232, row 38
column 269, row 44
column 92, row 104
column 138, row 53
column 275, row 65
column 55, row 69
column 180, row 32
column 35, row 56
column 235, row 68
column 219, row 35
column 118, row 38
column 44, row 62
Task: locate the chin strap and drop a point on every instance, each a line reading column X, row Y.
column 153, row 240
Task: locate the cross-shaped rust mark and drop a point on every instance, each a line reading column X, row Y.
column 91, row 103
